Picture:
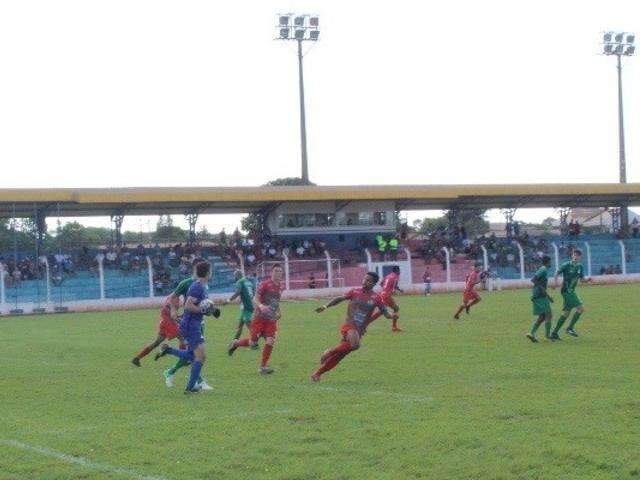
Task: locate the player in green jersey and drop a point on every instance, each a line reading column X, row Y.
column 541, row 300
column 572, row 274
column 245, row 289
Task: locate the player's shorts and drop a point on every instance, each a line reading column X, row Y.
column 571, row 300
column 191, row 332
column 245, row 316
column 389, row 301
column 263, row 328
column 167, row 327
column 541, row 306
column 469, row 296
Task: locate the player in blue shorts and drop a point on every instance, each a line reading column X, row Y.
column 191, row 326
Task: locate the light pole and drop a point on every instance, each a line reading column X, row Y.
column 620, row 44
column 300, row 28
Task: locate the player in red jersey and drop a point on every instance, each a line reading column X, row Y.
column 470, row 297
column 389, row 287
column 265, row 318
column 363, row 302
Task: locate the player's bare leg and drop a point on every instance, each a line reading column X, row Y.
column 460, row 309
column 394, row 321
column 472, row 303
column 331, row 358
column 238, row 330
column 146, row 350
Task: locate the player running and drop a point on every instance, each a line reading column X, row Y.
column 470, row 296
column 265, row 319
column 389, row 287
column 572, row 273
column 541, row 300
column 245, row 289
column 191, row 326
column 363, row 302
column 169, row 318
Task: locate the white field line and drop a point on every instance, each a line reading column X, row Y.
column 84, row 462
column 157, row 420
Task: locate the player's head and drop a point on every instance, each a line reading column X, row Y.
column 237, row 274
column 395, row 269
column 576, row 255
column 477, row 266
column 370, row 280
column 203, row 270
column 546, row 260
column 194, row 263
column 277, row 272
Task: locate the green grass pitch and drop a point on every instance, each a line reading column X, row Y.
column 472, row 399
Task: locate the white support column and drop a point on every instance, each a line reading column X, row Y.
column 556, row 254
column 241, row 259
column 2, row 294
column 329, row 269
column 485, row 258
column 587, row 248
column 521, row 252
column 448, row 263
column 150, row 270
column 101, row 275
column 409, row 266
column 623, row 254
column 369, row 261
column 286, row 272
column 47, row 275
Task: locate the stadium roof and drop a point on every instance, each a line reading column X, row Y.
column 70, row 202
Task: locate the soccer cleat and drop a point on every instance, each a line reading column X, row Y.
column 315, row 378
column 190, row 391
column 168, row 379
column 532, row 338
column 555, row 336
column 467, row 308
column 456, row 317
column 254, row 346
column 162, row 352
column 572, row 332
column 232, row 347
column 204, row 386
column 266, row 370
column 396, row 329
column 136, row 361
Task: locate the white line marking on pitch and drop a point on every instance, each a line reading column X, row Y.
column 84, row 462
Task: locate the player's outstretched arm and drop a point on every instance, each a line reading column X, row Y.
column 332, row 303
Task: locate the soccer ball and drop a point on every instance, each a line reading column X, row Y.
column 208, row 308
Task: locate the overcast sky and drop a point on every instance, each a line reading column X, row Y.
column 159, row 93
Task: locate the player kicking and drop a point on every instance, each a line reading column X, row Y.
column 572, row 273
column 470, row 297
column 169, row 322
column 265, row 319
column 541, row 300
column 245, row 290
column 389, row 287
column 363, row 302
column 191, row 327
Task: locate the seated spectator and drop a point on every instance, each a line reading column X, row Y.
column 312, row 282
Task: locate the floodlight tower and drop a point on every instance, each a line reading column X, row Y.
column 300, row 28
column 620, row 44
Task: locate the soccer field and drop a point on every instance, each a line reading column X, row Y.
column 446, row 399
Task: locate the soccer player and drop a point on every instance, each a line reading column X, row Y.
column 168, row 326
column 541, row 300
column 572, row 273
column 191, row 327
column 245, row 290
column 363, row 302
column 470, row 297
column 265, row 319
column 389, row 287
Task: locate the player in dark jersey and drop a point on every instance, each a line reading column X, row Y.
column 363, row 302
column 265, row 319
column 245, row 289
column 572, row 274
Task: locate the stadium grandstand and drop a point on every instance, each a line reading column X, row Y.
column 326, row 237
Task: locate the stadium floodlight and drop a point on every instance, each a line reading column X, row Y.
column 619, row 44
column 300, row 28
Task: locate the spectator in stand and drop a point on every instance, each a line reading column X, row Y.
column 635, row 228
column 394, row 244
column 300, row 251
column 426, row 278
column 312, row 282
column 603, row 270
column 617, row 270
column 382, row 246
column 222, row 237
